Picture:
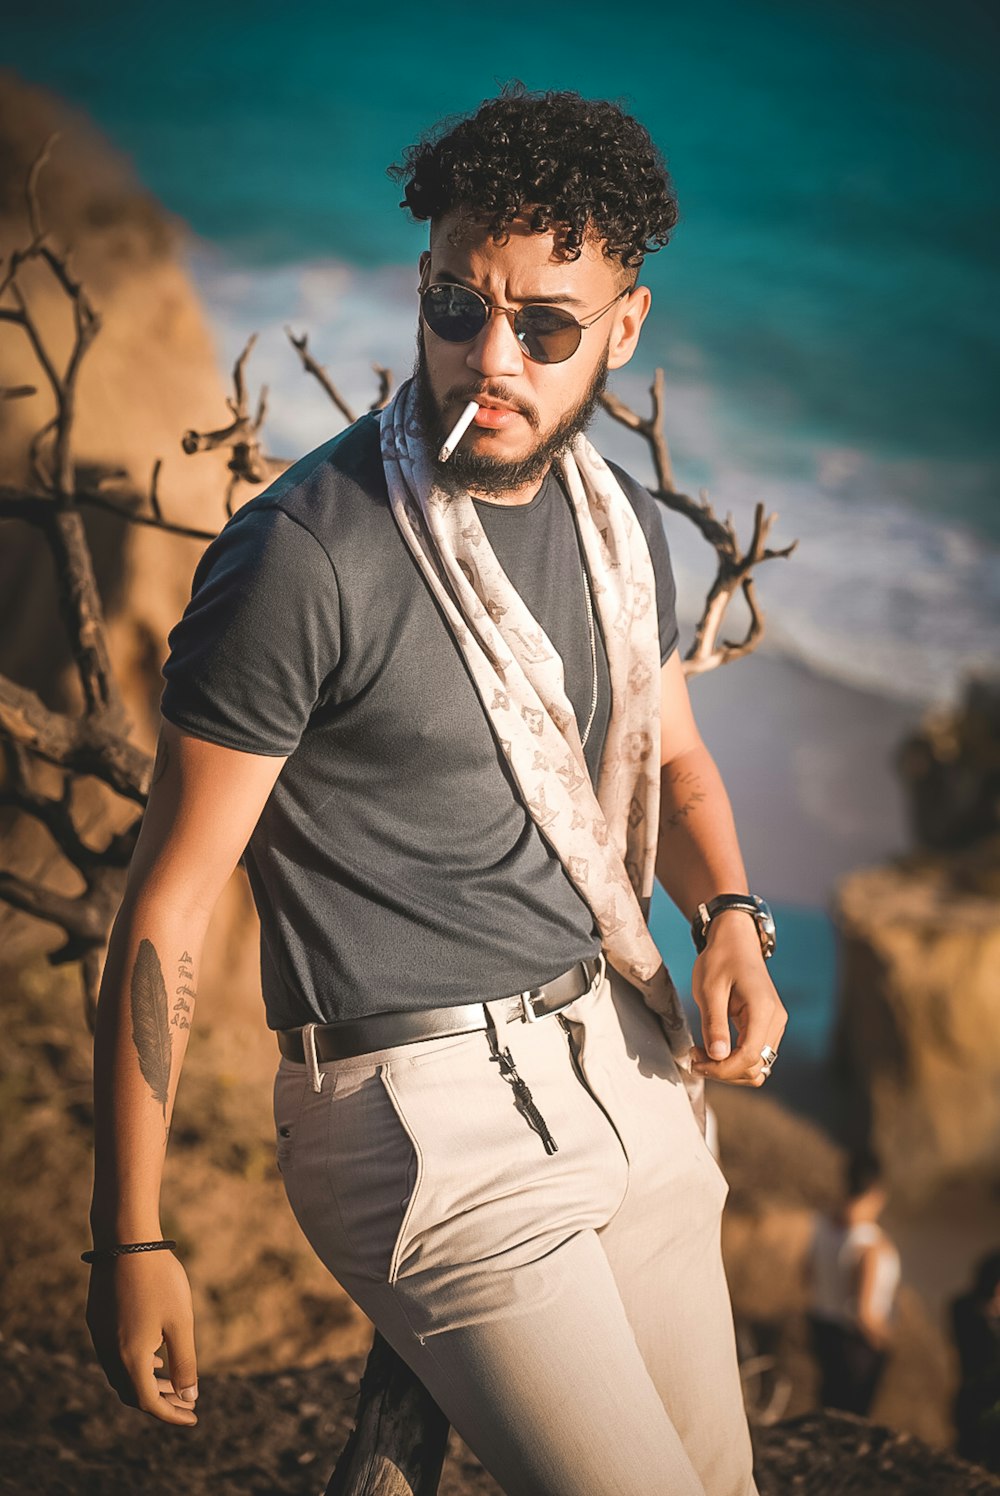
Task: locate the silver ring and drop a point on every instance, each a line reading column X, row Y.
column 768, row 1055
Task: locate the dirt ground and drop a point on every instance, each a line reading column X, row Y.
column 278, row 1434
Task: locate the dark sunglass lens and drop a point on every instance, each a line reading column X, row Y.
column 453, row 313
column 547, row 334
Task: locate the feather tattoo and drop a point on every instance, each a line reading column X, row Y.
column 150, row 1026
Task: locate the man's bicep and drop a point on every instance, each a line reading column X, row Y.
column 204, row 803
column 678, row 729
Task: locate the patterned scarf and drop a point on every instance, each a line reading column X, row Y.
column 606, row 841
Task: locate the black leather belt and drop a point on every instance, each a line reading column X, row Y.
column 356, row 1036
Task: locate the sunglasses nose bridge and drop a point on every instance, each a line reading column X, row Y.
column 493, row 353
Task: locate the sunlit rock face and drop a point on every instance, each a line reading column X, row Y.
column 151, row 373
column 919, row 1022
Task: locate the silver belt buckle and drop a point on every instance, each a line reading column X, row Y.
column 528, row 1013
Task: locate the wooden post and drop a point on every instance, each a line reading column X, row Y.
column 398, row 1443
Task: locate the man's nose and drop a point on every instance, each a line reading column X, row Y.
column 496, row 351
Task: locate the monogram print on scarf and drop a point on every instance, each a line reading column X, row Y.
column 532, row 648
column 570, row 775
column 598, row 834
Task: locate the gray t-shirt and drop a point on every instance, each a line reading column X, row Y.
column 395, row 864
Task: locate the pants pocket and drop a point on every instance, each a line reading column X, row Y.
column 363, row 1155
column 288, row 1096
column 370, row 1169
column 415, row 1178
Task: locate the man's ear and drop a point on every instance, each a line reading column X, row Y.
column 627, row 325
column 423, row 266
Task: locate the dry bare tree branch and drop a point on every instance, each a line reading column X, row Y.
column 78, row 744
column 15, row 503
column 248, row 462
column 650, row 427
column 319, row 373
column 734, row 566
column 385, row 383
column 95, row 743
column 56, row 815
column 75, row 916
column 86, row 321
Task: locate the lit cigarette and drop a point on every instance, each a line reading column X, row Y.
column 459, row 429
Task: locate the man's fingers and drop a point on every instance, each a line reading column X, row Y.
column 166, row 1387
column 760, row 1019
column 713, row 1000
column 179, row 1341
column 148, row 1395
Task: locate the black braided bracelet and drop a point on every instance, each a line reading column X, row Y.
column 104, row 1254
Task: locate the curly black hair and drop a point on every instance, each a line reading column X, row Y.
column 568, row 164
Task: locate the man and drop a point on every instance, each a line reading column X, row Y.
column 426, row 694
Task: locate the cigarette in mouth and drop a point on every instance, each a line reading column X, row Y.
column 459, row 429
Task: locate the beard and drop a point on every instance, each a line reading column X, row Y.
column 467, row 471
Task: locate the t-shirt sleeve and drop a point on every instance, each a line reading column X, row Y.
column 647, row 512
column 258, row 640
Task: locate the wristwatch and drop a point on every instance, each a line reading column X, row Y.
column 754, row 906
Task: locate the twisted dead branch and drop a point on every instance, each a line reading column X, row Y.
column 734, row 566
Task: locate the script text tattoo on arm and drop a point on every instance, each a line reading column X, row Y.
column 687, row 783
column 184, row 994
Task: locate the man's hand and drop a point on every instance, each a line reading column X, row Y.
column 730, row 981
column 136, row 1304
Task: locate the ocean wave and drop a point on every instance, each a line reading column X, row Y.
column 884, row 592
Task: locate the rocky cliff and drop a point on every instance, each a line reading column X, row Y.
column 151, row 374
column 919, row 1017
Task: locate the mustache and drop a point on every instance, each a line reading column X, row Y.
column 462, row 394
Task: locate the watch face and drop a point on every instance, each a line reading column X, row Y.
column 765, row 922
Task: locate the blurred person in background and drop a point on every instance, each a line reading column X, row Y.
column 853, row 1271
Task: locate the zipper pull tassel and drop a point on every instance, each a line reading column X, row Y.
column 522, row 1096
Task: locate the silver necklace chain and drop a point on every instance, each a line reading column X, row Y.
column 593, row 655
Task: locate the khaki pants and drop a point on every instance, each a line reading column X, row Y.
column 568, row 1311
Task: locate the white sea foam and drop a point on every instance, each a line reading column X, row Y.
column 881, row 593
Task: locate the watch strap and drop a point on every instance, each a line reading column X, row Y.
column 751, row 903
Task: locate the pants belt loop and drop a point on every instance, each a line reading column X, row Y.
column 602, row 968
column 315, row 1074
column 495, row 1013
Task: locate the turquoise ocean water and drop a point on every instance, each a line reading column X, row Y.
column 827, row 311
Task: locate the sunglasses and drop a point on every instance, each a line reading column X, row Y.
column 547, row 334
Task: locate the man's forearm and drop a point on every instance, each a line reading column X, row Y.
column 144, row 1021
column 697, row 853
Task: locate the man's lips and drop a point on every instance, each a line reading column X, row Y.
column 494, row 415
